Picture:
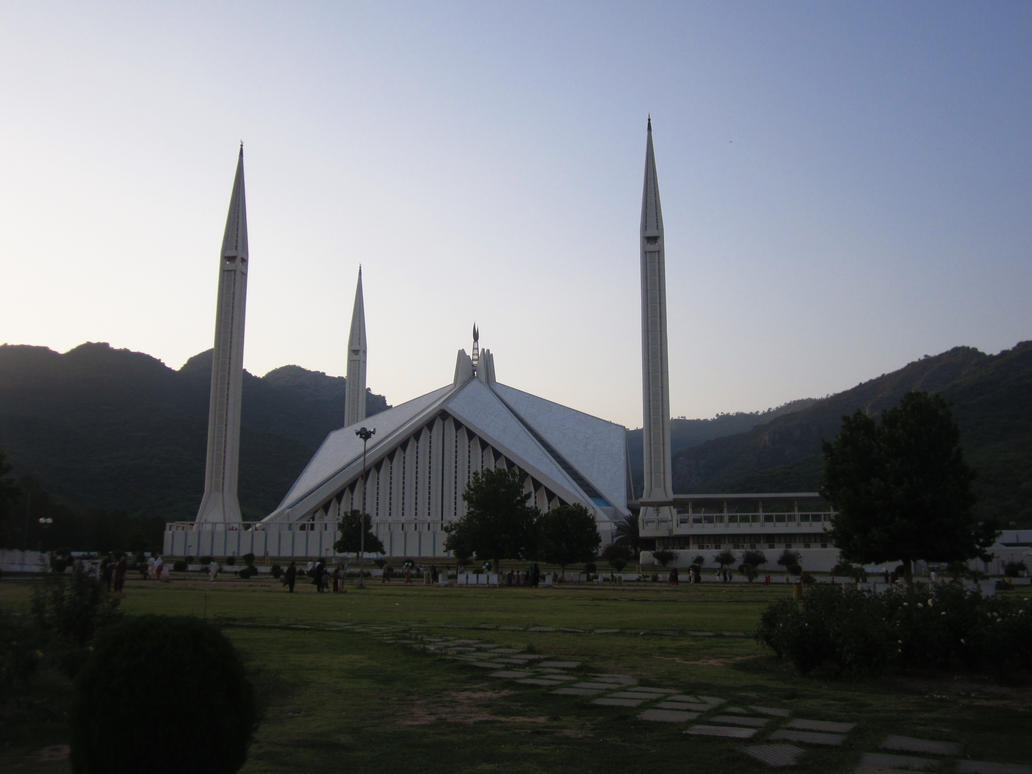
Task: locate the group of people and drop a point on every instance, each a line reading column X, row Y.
column 112, row 572
column 531, row 577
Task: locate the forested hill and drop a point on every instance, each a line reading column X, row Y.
column 98, row 427
column 103, row 428
column 991, row 398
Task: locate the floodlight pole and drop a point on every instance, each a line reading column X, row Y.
column 365, row 434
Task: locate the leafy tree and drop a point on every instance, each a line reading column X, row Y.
column 751, row 560
column 8, row 497
column 724, row 558
column 499, row 522
column 790, row 560
column 902, row 488
column 350, row 541
column 749, row 571
column 617, row 555
column 628, row 534
column 663, row 556
column 568, row 534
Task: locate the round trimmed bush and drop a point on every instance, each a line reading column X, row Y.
column 160, row 695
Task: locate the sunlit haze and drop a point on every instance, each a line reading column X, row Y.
column 845, row 186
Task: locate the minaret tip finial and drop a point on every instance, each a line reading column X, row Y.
column 650, row 122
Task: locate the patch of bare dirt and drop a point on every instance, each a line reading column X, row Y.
column 466, row 707
column 717, row 662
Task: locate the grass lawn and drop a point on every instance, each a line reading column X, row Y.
column 340, row 697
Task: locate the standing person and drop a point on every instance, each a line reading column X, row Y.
column 150, row 566
column 336, row 580
column 159, row 567
column 213, row 570
column 317, row 576
column 120, row 569
column 107, row 569
column 291, row 577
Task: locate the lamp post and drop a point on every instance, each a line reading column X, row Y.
column 365, row 434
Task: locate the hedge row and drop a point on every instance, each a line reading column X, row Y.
column 861, row 633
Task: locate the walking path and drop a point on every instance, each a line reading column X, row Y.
column 771, row 735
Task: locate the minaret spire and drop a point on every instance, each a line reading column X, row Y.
column 219, row 505
column 355, row 383
column 657, row 492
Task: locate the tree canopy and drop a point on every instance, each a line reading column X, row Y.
column 568, row 534
column 499, row 523
column 901, row 487
column 350, row 541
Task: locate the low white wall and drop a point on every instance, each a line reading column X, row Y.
column 17, row 561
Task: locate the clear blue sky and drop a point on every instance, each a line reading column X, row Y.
column 845, row 186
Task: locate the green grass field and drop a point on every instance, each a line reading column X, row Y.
column 339, row 696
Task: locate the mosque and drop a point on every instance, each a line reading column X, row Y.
column 408, row 466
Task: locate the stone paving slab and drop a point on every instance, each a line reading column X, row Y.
column 622, row 679
column 730, row 732
column 775, row 712
column 988, row 767
column 633, row 695
column 486, row 664
column 609, row 701
column 740, row 720
column 668, row 715
column 775, row 755
column 510, row 674
column 686, row 697
column 809, row 737
column 595, row 686
column 559, row 664
column 574, row 691
column 913, row 744
column 655, row 691
column 541, row 629
column 803, row 724
column 539, row 681
column 606, row 631
column 713, row 700
column 880, row 763
column 684, row 706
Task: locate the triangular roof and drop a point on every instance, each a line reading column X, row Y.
column 579, row 457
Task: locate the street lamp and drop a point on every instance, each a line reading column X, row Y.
column 44, row 522
column 365, row 434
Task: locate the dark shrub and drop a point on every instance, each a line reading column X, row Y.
column 162, row 695
column 248, row 559
column 19, row 652
column 276, row 571
column 230, row 560
column 70, row 610
column 180, row 565
column 248, row 572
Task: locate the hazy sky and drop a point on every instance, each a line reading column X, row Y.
column 845, row 186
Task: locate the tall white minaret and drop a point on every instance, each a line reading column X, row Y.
column 657, row 492
column 355, row 379
column 220, row 506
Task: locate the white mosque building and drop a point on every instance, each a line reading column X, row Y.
column 410, row 472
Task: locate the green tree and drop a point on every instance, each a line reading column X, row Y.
column 724, row 558
column 663, row 556
column 8, row 497
column 790, row 561
column 499, row 522
column 751, row 561
column 350, row 541
column 568, row 534
column 617, row 555
column 901, row 487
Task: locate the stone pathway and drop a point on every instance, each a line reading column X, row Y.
column 769, row 735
